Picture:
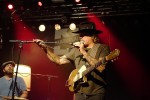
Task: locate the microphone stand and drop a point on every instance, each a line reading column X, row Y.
column 20, row 41
column 13, row 91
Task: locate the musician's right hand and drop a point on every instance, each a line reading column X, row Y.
column 39, row 42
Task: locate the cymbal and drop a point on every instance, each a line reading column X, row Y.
column 10, row 98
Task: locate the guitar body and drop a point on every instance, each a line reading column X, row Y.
column 73, row 84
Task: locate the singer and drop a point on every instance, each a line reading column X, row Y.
column 89, row 52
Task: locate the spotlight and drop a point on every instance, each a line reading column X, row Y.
column 57, row 27
column 42, row 27
column 77, row 1
column 72, row 26
column 10, row 6
column 40, row 3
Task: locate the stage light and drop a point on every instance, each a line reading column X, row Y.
column 72, row 26
column 57, row 27
column 10, row 6
column 40, row 3
column 42, row 27
column 77, row 1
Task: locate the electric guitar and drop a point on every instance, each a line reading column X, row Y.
column 78, row 76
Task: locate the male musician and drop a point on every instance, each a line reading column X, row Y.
column 7, row 83
column 88, row 53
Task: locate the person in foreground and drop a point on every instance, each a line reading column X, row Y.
column 7, row 83
column 85, row 55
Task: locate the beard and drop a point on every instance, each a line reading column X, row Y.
column 9, row 72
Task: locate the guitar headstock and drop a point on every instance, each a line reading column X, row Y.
column 113, row 55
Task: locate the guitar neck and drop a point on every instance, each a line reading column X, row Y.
column 91, row 68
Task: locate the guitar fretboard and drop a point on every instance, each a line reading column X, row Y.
column 91, row 68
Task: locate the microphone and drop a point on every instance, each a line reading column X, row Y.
column 77, row 44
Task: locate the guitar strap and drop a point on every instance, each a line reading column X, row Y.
column 98, row 52
column 94, row 52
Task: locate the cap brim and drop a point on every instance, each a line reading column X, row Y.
column 8, row 62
